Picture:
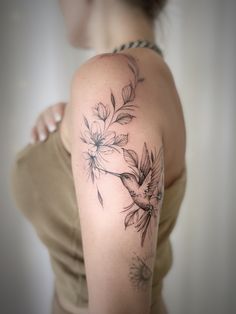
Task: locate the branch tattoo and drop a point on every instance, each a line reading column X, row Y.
column 145, row 181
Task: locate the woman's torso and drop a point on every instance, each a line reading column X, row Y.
column 44, row 191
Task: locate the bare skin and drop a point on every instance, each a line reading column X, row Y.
column 103, row 25
column 153, row 118
column 171, row 117
column 125, row 25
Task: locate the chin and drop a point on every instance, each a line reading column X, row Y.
column 78, row 42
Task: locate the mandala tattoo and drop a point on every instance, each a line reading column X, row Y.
column 140, row 274
column 145, row 181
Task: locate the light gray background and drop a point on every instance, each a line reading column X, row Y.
column 199, row 42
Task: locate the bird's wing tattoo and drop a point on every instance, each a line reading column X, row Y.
column 144, row 182
column 156, row 172
column 144, row 188
column 145, row 164
column 143, row 224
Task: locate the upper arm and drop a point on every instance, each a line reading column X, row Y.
column 118, row 169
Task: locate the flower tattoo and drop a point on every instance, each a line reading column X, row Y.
column 145, row 180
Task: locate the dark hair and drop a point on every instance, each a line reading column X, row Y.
column 151, row 8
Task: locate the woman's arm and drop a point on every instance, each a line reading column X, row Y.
column 118, row 169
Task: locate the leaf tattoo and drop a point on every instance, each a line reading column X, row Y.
column 100, row 197
column 128, row 93
column 113, row 101
column 124, row 118
column 86, row 122
column 102, row 111
column 145, row 181
column 131, row 157
column 121, row 140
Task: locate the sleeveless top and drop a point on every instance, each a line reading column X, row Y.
column 43, row 189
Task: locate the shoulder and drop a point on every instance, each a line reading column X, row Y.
column 142, row 78
column 111, row 65
column 139, row 73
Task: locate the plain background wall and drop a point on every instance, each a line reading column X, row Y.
column 199, row 42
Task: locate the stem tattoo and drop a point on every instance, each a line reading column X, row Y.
column 145, row 180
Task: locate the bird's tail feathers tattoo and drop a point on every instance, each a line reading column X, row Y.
column 145, row 180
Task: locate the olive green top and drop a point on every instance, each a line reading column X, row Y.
column 43, row 189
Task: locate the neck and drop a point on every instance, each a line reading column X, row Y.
column 108, row 31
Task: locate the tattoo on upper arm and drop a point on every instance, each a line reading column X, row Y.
column 145, row 181
column 140, row 274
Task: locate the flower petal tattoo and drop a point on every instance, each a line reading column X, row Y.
column 145, row 181
column 140, row 274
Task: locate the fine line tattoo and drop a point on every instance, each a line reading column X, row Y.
column 145, row 181
column 145, row 186
column 140, row 274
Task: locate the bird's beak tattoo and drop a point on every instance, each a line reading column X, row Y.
column 145, row 180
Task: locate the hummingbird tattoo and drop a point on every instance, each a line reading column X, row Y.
column 145, row 187
column 145, row 181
